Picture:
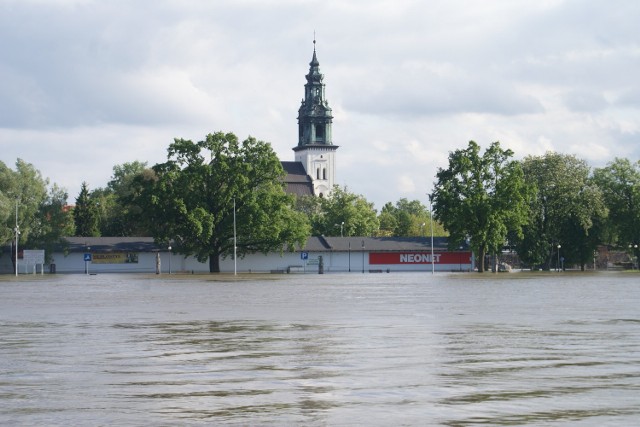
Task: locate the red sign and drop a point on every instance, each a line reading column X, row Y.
column 394, row 258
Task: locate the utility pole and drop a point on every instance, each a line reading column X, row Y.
column 17, row 230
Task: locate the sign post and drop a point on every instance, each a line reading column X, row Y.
column 34, row 257
column 87, row 258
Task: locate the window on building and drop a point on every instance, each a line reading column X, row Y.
column 318, row 174
column 319, row 132
column 324, row 173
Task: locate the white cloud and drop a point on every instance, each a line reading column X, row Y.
column 89, row 84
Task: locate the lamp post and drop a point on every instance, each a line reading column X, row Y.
column 349, row 257
column 363, row 257
column 235, row 241
column 634, row 251
column 169, row 258
column 558, row 265
column 17, row 231
column 341, row 225
column 433, row 265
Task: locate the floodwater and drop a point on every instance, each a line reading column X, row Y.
column 410, row 349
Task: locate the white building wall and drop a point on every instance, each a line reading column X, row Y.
column 334, row 262
column 323, row 160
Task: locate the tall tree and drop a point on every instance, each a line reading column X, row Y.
column 407, row 218
column 53, row 222
column 189, row 200
column 482, row 198
column 343, row 212
column 26, row 188
column 620, row 185
column 117, row 215
column 85, row 215
column 567, row 210
column 8, row 200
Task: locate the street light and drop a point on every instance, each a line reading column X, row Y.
column 634, row 251
column 169, row 258
column 17, row 231
column 341, row 225
column 235, row 241
column 558, row 265
column 363, row 257
column 433, row 265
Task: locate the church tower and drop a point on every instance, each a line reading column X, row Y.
column 315, row 149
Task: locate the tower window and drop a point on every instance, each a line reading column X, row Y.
column 324, row 173
column 318, row 174
column 319, row 131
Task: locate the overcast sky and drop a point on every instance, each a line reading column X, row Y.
column 87, row 84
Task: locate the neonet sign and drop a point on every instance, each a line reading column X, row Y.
column 419, row 258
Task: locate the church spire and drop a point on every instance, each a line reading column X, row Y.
column 315, row 148
column 314, row 61
column 314, row 115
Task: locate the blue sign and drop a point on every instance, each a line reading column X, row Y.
column 87, row 257
column 304, row 255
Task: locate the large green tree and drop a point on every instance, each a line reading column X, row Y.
column 117, row 215
column 85, row 214
column 343, row 212
column 620, row 185
column 53, row 222
column 481, row 198
column 189, row 200
column 26, row 188
column 407, row 218
column 567, row 210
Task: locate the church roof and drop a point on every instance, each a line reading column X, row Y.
column 297, row 180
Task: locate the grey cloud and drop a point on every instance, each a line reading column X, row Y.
column 585, row 101
column 415, row 96
column 629, row 97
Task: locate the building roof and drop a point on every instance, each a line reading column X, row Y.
column 111, row 244
column 384, row 244
column 297, row 181
column 313, row 244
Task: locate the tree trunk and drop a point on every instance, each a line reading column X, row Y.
column 481, row 254
column 214, row 262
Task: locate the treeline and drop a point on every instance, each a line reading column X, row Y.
column 538, row 206
column 552, row 209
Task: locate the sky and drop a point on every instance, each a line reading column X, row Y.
column 86, row 85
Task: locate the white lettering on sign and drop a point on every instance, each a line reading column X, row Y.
column 418, row 258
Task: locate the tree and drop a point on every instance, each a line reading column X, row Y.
column 53, row 222
column 117, row 215
column 619, row 182
column 407, row 218
column 27, row 188
column 342, row 212
column 567, row 210
column 189, row 200
column 481, row 198
column 8, row 200
column 85, row 215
